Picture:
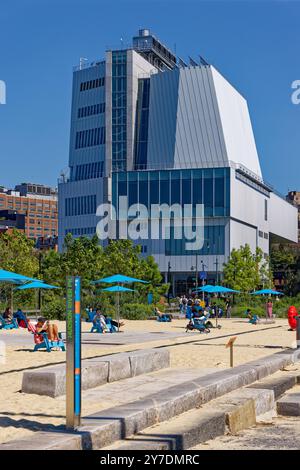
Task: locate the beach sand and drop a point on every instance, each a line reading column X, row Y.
column 23, row 414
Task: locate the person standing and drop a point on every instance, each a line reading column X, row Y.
column 228, row 309
column 269, row 309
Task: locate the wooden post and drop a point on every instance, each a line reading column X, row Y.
column 230, row 345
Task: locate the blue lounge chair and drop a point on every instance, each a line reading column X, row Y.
column 97, row 328
column 5, row 325
column 198, row 324
column 48, row 345
column 164, row 318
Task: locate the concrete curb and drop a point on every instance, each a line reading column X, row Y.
column 51, row 381
column 289, row 405
column 232, row 413
column 103, row 428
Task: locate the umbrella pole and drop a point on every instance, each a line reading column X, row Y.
column 118, row 310
column 36, row 304
column 12, row 299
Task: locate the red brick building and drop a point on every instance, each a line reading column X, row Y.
column 38, row 203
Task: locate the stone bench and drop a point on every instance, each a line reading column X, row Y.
column 51, row 381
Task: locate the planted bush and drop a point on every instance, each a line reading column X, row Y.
column 55, row 309
column 136, row 311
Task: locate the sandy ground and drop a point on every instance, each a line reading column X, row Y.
column 22, row 414
column 282, row 434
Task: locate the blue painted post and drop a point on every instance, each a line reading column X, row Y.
column 73, row 364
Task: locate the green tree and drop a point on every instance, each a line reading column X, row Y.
column 285, row 262
column 17, row 254
column 247, row 271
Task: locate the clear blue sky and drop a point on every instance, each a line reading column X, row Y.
column 254, row 44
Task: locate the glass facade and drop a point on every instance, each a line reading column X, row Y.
column 210, row 187
column 142, row 124
column 214, row 243
column 119, row 108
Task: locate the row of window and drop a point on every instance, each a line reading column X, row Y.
column 91, row 110
column 119, row 110
column 210, row 187
column 81, row 231
column 80, row 205
column 213, row 243
column 87, row 171
column 90, row 84
column 90, row 138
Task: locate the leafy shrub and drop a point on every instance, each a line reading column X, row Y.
column 240, row 311
column 55, row 309
column 136, row 311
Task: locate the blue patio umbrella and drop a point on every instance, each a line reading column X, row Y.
column 37, row 285
column 13, row 278
column 117, row 289
column 120, row 279
column 267, row 292
column 204, row 288
column 220, row 290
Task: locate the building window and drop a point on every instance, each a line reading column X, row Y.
column 214, row 243
column 80, row 205
column 260, row 234
column 92, row 110
column 119, row 109
column 87, row 171
column 210, row 187
column 90, row 84
column 90, row 138
column 266, row 210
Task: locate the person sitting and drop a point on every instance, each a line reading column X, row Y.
column 197, row 310
column 162, row 315
column 21, row 318
column 8, row 315
column 45, row 326
column 100, row 319
column 253, row 318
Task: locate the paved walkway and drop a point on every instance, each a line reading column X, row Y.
column 24, row 338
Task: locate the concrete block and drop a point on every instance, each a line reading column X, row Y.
column 186, row 430
column 279, row 385
column 264, row 400
column 118, row 366
column 93, row 375
column 48, row 381
column 289, row 405
column 239, row 415
column 144, row 361
column 46, row 441
column 51, row 381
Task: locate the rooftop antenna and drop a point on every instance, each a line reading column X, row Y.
column 82, row 61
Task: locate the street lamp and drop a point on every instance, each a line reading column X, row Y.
column 196, row 269
column 169, row 280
